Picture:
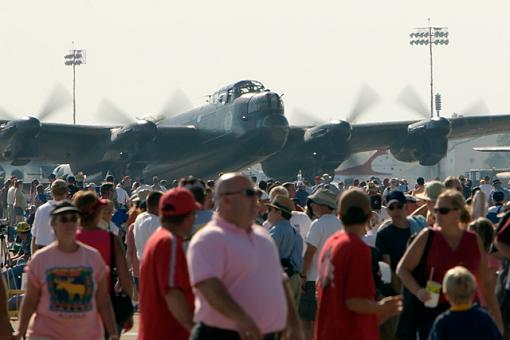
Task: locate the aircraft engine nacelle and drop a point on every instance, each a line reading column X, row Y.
column 425, row 142
column 126, row 141
column 328, row 138
column 15, row 135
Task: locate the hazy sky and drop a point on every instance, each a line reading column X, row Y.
column 316, row 52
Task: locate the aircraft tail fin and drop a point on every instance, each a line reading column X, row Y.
column 366, row 168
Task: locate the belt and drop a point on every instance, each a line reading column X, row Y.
column 208, row 332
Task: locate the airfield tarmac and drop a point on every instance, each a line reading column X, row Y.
column 130, row 335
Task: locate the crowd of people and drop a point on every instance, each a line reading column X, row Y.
column 241, row 258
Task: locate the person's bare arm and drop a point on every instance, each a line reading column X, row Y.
column 5, row 325
column 420, row 211
column 487, row 287
column 130, row 251
column 28, row 307
column 383, row 309
column 308, row 257
column 122, row 268
column 409, row 262
column 219, row 298
column 294, row 329
column 33, row 245
column 176, row 303
column 104, row 307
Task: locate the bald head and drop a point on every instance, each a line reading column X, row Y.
column 231, row 182
column 236, row 199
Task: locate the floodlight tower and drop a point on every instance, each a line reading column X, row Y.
column 430, row 36
column 75, row 58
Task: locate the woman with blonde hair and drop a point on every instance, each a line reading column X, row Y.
column 436, row 250
column 479, row 205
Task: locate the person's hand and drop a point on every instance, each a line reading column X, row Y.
column 423, row 295
column 303, row 282
column 390, row 306
column 247, row 328
column 128, row 324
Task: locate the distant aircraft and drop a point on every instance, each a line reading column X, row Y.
column 492, row 148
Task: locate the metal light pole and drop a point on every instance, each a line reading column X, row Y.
column 429, row 36
column 74, row 58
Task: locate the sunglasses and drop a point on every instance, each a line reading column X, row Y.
column 248, row 192
column 443, row 211
column 396, row 206
column 70, row 218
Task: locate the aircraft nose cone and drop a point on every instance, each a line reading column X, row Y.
column 275, row 121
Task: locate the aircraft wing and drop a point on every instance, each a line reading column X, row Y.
column 374, row 136
column 60, row 143
column 65, row 143
column 492, row 149
column 478, row 126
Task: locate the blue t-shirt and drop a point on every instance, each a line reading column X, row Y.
column 474, row 323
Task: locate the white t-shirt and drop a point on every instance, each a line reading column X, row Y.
column 41, row 228
column 369, row 237
column 301, row 222
column 486, row 189
column 145, row 224
column 320, row 230
column 122, row 196
column 10, row 195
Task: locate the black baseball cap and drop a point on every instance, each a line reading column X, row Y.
column 395, row 197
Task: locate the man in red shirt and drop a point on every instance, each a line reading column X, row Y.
column 166, row 297
column 346, row 291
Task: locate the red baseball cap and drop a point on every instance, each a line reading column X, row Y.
column 177, row 201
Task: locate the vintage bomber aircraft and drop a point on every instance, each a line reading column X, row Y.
column 322, row 148
column 242, row 124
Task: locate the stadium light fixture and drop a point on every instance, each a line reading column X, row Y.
column 433, row 36
column 75, row 58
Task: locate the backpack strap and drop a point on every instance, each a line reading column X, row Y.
column 112, row 258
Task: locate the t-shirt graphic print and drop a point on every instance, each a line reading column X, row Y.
column 70, row 289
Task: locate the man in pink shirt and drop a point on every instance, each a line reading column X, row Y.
column 240, row 288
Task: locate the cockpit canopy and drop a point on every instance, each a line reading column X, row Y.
column 229, row 93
